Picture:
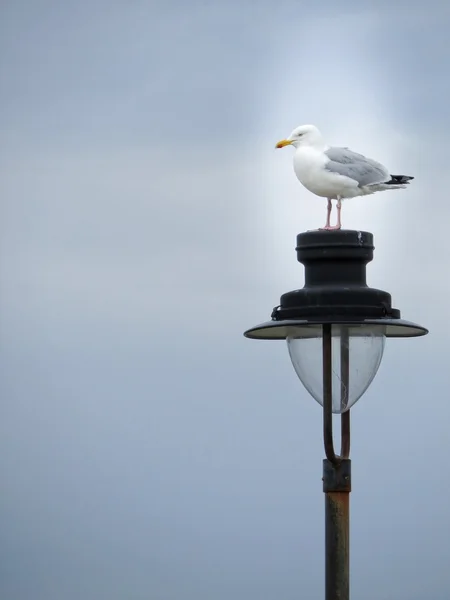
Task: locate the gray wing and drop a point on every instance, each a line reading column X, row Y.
column 356, row 166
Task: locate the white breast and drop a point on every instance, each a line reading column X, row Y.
column 309, row 167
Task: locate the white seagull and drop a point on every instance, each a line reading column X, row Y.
column 337, row 173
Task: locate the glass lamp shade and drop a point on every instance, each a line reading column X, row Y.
column 356, row 353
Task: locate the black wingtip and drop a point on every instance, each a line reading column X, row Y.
column 399, row 180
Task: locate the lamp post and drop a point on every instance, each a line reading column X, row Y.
column 335, row 328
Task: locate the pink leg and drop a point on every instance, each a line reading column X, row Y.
column 338, row 206
column 327, row 224
column 338, row 225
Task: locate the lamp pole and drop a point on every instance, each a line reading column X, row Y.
column 336, row 477
column 336, row 305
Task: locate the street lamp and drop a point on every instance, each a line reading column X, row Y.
column 335, row 327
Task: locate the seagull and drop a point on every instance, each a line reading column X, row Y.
column 337, row 173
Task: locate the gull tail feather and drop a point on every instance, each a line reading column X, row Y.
column 396, row 182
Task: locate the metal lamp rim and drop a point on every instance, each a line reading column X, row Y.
column 394, row 327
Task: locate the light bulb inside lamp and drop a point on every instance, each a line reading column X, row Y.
column 356, row 353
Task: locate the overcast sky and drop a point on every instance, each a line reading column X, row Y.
column 147, row 449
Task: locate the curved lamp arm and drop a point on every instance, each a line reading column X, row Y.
column 327, row 396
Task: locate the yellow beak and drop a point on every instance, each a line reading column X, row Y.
column 283, row 143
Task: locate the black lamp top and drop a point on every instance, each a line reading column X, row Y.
column 335, row 279
column 335, row 291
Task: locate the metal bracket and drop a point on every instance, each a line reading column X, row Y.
column 337, row 478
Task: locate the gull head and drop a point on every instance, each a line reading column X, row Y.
column 305, row 135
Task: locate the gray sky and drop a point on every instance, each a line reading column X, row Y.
column 147, row 449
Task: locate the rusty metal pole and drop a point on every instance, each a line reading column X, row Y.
column 337, row 486
column 336, row 477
